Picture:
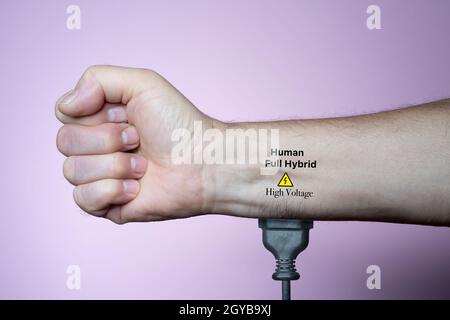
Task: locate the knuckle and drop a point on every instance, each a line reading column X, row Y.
column 62, row 138
column 86, row 197
column 91, row 72
column 110, row 137
column 58, row 113
column 114, row 134
column 92, row 69
column 121, row 165
column 112, row 189
column 119, row 219
column 78, row 197
column 107, row 142
column 62, row 117
column 149, row 72
column 150, row 75
column 81, row 198
column 69, row 169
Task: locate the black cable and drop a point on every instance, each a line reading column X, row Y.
column 286, row 289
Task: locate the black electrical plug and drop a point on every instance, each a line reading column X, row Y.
column 285, row 238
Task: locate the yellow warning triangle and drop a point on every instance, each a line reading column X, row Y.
column 285, row 181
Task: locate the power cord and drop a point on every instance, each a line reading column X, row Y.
column 285, row 238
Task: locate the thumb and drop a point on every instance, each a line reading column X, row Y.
column 100, row 84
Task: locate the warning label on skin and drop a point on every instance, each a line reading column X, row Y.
column 289, row 163
column 285, row 181
column 286, row 188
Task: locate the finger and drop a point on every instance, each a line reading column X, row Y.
column 115, row 113
column 96, row 197
column 85, row 169
column 100, row 84
column 121, row 214
column 74, row 140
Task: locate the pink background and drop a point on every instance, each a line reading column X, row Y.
column 236, row 60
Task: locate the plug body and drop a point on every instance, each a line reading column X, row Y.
column 285, row 239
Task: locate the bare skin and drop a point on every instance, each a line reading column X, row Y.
column 118, row 122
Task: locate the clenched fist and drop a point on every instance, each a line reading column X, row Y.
column 117, row 137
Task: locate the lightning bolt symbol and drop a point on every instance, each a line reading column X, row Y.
column 285, row 180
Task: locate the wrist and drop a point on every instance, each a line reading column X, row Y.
column 236, row 185
column 228, row 182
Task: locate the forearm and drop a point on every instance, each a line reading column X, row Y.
column 390, row 166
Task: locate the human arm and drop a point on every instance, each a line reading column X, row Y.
column 391, row 166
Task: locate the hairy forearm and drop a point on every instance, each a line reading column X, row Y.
column 390, row 166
